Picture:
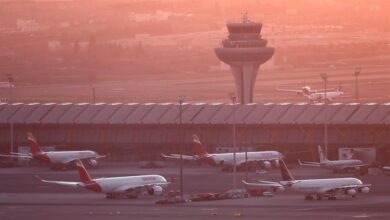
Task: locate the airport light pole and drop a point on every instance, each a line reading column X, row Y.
column 357, row 73
column 11, row 84
column 233, row 97
column 324, row 77
column 93, row 95
column 181, row 100
column 246, row 162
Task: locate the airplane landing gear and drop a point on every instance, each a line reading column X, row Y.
column 110, row 196
column 309, row 197
column 332, row 198
column 319, row 197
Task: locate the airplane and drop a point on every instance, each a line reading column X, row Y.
column 226, row 160
column 56, row 159
column 335, row 165
column 314, row 187
column 316, row 95
column 386, row 170
column 116, row 187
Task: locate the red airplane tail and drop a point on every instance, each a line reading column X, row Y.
column 286, row 175
column 34, row 147
column 84, row 175
column 199, row 149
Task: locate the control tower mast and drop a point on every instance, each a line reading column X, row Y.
column 244, row 50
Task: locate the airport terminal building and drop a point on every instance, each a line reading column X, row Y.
column 134, row 131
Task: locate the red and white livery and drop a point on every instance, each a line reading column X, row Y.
column 114, row 187
column 226, row 160
column 314, row 187
column 56, row 159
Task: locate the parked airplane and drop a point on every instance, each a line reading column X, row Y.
column 316, row 95
column 314, row 187
column 386, row 170
column 56, row 159
column 115, row 187
column 335, row 165
column 226, row 160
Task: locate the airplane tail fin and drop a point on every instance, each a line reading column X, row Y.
column 199, row 149
column 286, row 175
column 34, row 147
column 322, row 155
column 84, row 175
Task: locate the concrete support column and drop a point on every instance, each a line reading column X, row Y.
column 245, row 77
column 249, row 78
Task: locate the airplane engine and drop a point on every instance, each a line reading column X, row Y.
column 155, row 190
column 351, row 192
column 276, row 163
column 92, row 163
column 267, row 164
column 279, row 189
column 365, row 190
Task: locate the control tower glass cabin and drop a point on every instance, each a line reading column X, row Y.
column 244, row 51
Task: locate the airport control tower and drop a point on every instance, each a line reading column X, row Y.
column 244, row 50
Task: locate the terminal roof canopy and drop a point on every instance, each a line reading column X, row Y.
column 8, row 111
column 204, row 116
column 378, row 115
column 241, row 112
column 361, row 114
column 138, row 114
column 343, row 114
column 290, row 116
column 173, row 114
column 122, row 113
column 25, row 110
column 107, row 111
column 309, row 113
column 258, row 113
column 72, row 113
column 191, row 112
column 36, row 116
column 273, row 116
column 153, row 117
column 55, row 113
column 327, row 113
column 214, row 114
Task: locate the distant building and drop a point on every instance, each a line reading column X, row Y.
column 28, row 25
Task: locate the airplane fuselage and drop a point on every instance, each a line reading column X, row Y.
column 321, row 95
column 64, row 157
column 319, row 186
column 228, row 158
column 122, row 184
column 340, row 164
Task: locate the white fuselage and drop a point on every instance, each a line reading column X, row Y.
column 321, row 95
column 319, row 186
column 228, row 158
column 123, row 184
column 340, row 164
column 64, row 157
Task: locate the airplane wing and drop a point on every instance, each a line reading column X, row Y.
column 100, row 156
column 242, row 162
column 135, row 187
column 263, row 184
column 177, row 156
column 289, row 90
column 71, row 159
column 17, row 156
column 310, row 164
column 62, row 183
column 344, row 188
column 356, row 167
